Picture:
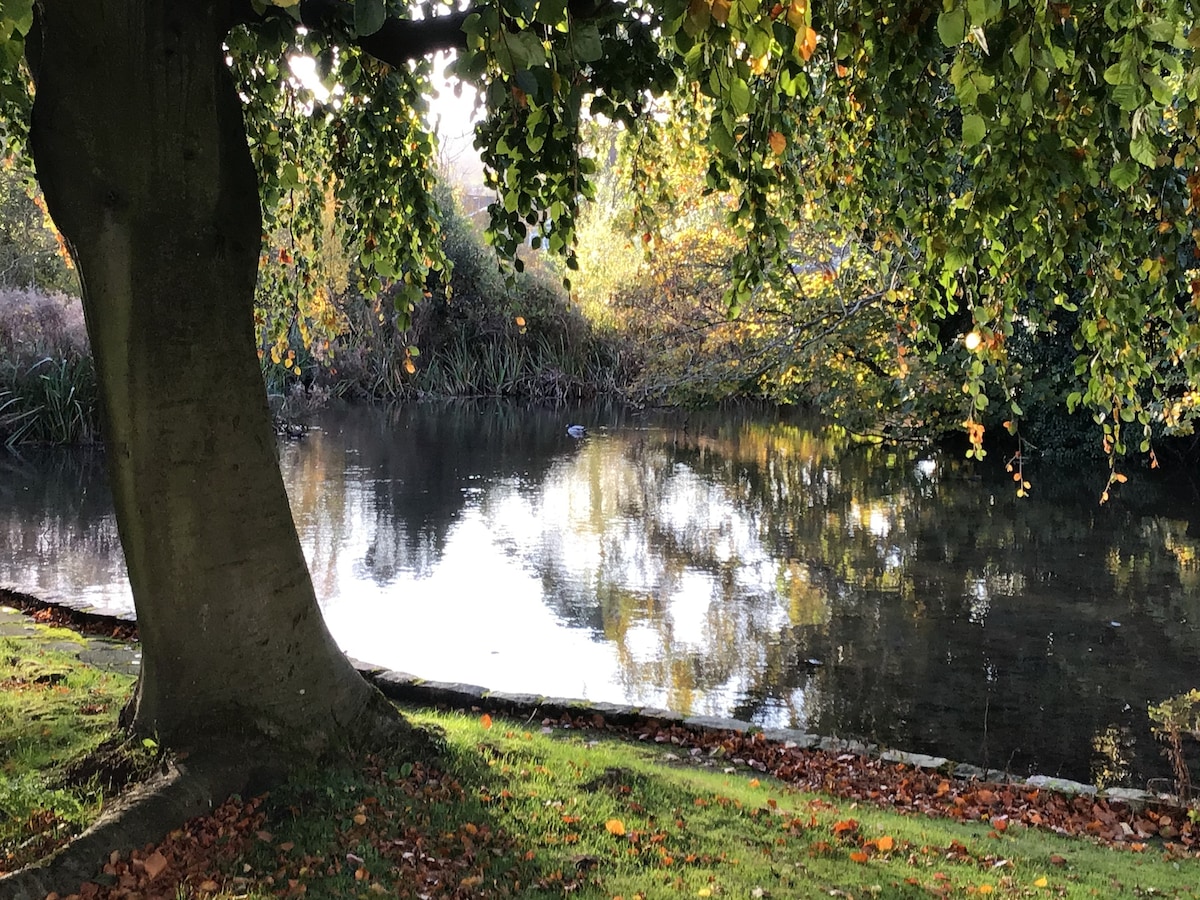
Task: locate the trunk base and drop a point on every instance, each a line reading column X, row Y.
column 194, row 785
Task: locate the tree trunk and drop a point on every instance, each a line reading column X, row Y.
column 141, row 151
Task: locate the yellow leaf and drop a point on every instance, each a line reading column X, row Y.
column 615, row 826
column 409, row 367
column 284, row 4
column 704, row 892
column 806, row 43
column 797, row 15
column 520, row 320
column 754, row 782
column 986, row 889
column 1041, row 882
column 778, row 142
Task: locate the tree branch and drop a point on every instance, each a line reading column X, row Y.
column 399, row 41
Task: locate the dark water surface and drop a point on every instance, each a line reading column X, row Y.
column 726, row 564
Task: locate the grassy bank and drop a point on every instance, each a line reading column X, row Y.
column 54, row 712
column 531, row 809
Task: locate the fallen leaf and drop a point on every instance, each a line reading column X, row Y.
column 859, row 857
column 885, row 843
column 154, row 863
column 485, row 720
column 1041, row 882
column 615, row 826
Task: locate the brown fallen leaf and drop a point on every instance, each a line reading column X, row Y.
column 155, row 863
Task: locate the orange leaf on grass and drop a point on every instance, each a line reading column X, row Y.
column 485, row 720
column 885, row 843
column 859, row 857
column 615, row 827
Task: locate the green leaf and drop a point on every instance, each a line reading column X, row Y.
column 1020, row 52
column 585, row 43
column 1124, row 174
column 952, row 27
column 1142, row 149
column 973, row 129
column 551, row 12
column 1161, row 30
column 719, row 135
column 739, row 96
column 369, row 16
column 289, row 176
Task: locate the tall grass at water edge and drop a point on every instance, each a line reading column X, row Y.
column 48, row 390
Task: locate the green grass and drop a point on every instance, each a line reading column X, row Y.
column 515, row 810
column 525, row 814
column 53, row 711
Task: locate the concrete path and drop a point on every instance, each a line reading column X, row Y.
column 103, row 653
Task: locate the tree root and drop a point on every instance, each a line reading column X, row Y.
column 189, row 788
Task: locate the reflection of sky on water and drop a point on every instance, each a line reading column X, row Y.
column 715, row 566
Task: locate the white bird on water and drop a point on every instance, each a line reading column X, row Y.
column 576, row 431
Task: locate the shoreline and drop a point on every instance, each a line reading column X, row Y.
column 407, row 688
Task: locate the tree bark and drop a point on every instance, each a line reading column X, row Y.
column 140, row 149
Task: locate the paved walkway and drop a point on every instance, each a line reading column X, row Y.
column 104, row 653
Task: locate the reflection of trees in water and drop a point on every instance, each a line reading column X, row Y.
column 967, row 623
column 57, row 529
column 423, row 463
column 943, row 614
column 719, row 554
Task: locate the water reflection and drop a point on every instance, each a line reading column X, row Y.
column 723, row 563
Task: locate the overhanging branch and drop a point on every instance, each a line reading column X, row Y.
column 399, row 41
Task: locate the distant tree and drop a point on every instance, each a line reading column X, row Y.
column 1025, row 156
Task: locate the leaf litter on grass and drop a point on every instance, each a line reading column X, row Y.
column 512, row 813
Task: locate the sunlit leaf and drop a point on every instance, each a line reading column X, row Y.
column 615, row 827
column 806, row 43
column 485, row 720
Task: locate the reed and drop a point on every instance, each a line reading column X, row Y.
column 48, row 391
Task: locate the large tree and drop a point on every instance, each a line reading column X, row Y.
column 1020, row 157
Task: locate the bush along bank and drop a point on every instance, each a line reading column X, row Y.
column 482, row 334
column 492, row 339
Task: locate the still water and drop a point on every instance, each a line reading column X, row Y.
column 731, row 563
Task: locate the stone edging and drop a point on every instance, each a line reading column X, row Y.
column 413, row 689
column 408, row 688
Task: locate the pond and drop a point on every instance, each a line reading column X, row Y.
column 729, row 563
